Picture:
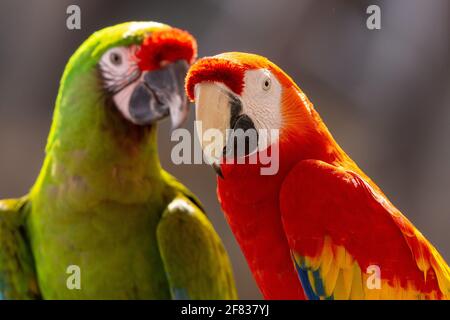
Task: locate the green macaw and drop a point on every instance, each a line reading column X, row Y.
column 102, row 202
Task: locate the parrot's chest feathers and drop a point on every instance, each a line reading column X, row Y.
column 258, row 228
column 113, row 246
column 107, row 230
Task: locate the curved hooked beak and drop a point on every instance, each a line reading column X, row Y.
column 234, row 133
column 160, row 93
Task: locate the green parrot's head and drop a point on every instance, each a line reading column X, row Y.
column 138, row 68
column 116, row 86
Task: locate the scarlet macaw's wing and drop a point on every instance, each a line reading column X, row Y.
column 349, row 242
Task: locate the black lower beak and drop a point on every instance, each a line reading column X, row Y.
column 160, row 94
column 243, row 138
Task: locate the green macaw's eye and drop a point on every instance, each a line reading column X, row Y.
column 115, row 58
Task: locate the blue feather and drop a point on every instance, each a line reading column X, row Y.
column 306, row 284
column 303, row 276
column 180, row 294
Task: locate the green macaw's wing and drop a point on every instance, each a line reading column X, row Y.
column 195, row 260
column 17, row 273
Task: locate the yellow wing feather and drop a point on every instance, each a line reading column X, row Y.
column 335, row 274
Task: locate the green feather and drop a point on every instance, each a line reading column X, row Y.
column 194, row 258
column 17, row 274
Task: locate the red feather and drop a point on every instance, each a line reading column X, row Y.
column 215, row 70
column 319, row 199
column 323, row 193
column 166, row 46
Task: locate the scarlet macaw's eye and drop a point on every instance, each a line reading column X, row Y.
column 266, row 84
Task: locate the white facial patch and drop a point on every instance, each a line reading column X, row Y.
column 261, row 101
column 122, row 100
column 120, row 74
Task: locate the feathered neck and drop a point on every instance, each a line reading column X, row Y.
column 93, row 152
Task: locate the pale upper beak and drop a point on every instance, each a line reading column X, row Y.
column 213, row 119
column 219, row 115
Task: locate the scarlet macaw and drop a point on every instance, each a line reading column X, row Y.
column 319, row 224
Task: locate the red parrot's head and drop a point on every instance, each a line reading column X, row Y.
column 245, row 91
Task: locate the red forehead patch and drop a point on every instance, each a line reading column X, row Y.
column 166, row 45
column 215, row 70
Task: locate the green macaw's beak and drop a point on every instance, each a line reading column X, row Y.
column 161, row 93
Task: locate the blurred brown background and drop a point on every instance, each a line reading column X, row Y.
column 385, row 95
